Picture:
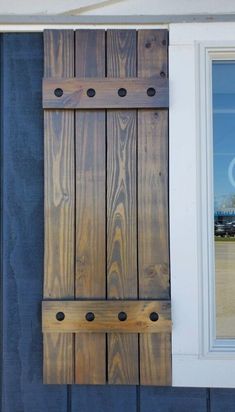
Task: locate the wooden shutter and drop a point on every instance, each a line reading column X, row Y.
column 106, row 309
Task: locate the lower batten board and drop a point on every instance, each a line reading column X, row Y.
column 106, row 316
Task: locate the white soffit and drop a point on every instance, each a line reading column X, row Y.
column 116, row 7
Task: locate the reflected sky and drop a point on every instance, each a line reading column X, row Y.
column 223, row 87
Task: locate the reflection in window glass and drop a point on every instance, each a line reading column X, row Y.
column 223, row 82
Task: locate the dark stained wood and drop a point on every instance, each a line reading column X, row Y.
column 153, row 247
column 155, row 359
column 121, row 205
column 105, row 93
column 59, row 205
column 90, row 363
column 58, row 351
column 90, row 207
column 119, row 349
column 153, row 53
column 153, row 205
column 121, row 208
column 106, row 316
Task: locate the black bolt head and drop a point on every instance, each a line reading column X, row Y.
column 90, row 316
column 58, row 92
column 90, row 92
column 122, row 92
column 122, row 316
column 60, row 316
column 154, row 316
column 151, row 92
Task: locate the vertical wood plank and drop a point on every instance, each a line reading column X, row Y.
column 59, row 205
column 121, row 208
column 153, row 246
column 90, row 349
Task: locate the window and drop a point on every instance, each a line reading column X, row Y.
column 202, row 203
column 223, row 106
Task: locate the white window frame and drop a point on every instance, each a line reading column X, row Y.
column 199, row 359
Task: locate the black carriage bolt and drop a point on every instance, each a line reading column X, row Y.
column 60, row 316
column 90, row 316
column 90, row 92
column 153, row 316
column 122, row 92
column 151, row 92
column 58, row 92
column 122, row 316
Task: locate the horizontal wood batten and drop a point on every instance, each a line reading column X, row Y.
column 73, row 93
column 106, row 316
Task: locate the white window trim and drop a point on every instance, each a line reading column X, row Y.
column 211, row 347
column 198, row 359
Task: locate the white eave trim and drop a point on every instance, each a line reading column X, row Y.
column 120, row 19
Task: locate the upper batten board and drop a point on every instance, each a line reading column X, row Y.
column 106, row 208
column 104, row 93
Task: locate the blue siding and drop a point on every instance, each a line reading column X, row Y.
column 222, row 400
column 23, row 229
column 22, row 159
column 173, row 399
column 104, row 398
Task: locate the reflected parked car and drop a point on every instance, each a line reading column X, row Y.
column 220, row 229
column 230, row 228
column 225, row 229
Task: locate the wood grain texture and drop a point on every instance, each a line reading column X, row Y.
column 58, row 351
column 153, row 53
column 106, row 93
column 119, row 349
column 106, row 316
column 153, row 246
column 155, row 359
column 153, row 205
column 90, row 207
column 59, row 204
column 121, row 207
column 90, row 358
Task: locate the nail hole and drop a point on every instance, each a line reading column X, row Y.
column 148, row 45
column 58, row 92
column 163, row 74
column 60, row 316
column 122, row 92
column 90, row 316
column 151, row 92
column 90, row 92
column 122, row 316
column 153, row 316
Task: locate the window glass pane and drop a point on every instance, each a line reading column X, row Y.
column 223, row 82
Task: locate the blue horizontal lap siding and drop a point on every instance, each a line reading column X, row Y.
column 22, row 147
column 22, row 157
